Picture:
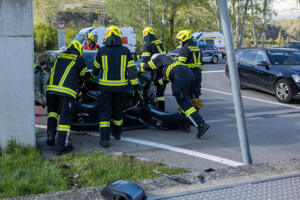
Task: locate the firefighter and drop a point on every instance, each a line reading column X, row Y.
column 190, row 54
column 61, row 95
column 183, row 86
column 90, row 43
column 118, row 70
column 152, row 46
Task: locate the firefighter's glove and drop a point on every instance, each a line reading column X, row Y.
column 141, row 69
column 197, row 103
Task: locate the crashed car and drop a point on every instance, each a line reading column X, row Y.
column 138, row 109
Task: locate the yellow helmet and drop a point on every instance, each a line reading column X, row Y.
column 147, row 30
column 91, row 37
column 77, row 45
column 113, row 29
column 184, row 35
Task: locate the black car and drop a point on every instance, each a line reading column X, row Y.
column 273, row 70
column 138, row 109
column 293, row 45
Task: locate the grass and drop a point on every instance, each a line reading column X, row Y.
column 23, row 171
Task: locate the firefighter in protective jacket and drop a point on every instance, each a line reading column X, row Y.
column 68, row 68
column 190, row 54
column 117, row 72
column 183, row 86
column 151, row 47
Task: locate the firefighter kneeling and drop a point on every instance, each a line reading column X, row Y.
column 61, row 95
column 183, row 83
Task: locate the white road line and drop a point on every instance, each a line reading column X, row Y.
column 184, row 151
column 216, row 71
column 218, row 120
column 265, row 101
column 40, row 126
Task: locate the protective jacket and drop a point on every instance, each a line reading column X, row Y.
column 94, row 47
column 116, row 65
column 152, row 46
column 67, row 69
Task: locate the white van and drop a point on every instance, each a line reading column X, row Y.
column 210, row 38
column 128, row 36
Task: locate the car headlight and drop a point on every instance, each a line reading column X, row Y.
column 296, row 78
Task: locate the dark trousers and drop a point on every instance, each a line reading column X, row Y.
column 64, row 107
column 183, row 87
column 198, row 81
column 110, row 111
column 160, row 97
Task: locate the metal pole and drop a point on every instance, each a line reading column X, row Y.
column 235, row 83
column 150, row 17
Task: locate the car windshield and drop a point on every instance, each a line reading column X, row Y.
column 284, row 57
column 80, row 37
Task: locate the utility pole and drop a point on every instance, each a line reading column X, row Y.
column 235, row 83
column 150, row 17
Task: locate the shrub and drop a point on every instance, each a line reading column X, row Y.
column 45, row 37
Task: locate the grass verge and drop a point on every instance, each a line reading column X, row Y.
column 23, row 171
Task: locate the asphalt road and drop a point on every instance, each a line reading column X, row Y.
column 273, row 131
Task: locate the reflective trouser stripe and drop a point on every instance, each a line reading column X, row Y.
column 162, row 98
column 64, row 127
column 118, row 123
column 104, row 124
column 190, row 111
column 53, row 114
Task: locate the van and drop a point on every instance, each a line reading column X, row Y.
column 210, row 38
column 128, row 36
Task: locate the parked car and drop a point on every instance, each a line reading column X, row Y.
column 139, row 110
column 273, row 70
column 210, row 53
column 293, row 45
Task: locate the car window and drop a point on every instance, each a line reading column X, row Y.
column 207, row 48
column 248, row 56
column 260, row 57
column 215, row 48
column 210, row 42
column 284, row 57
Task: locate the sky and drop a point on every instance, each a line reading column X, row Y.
column 286, row 9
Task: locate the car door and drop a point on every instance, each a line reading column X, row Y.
column 246, row 66
column 264, row 78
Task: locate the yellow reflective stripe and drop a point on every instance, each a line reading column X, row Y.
column 194, row 56
column 113, row 83
column 53, row 114
column 52, row 73
column 83, row 71
column 117, row 123
column 61, row 89
column 156, row 41
column 68, row 56
column 104, row 124
column 123, row 66
column 160, row 98
column 170, row 67
column 159, row 49
column 134, row 81
column 152, row 65
column 62, row 80
column 195, row 65
column 146, row 54
column 190, row 111
column 130, row 64
column 182, row 59
column 160, row 81
column 180, row 109
column 96, row 64
column 63, row 127
column 34, row 66
column 105, row 67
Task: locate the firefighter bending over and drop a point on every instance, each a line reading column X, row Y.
column 183, row 86
column 117, row 66
column 61, row 95
column 152, row 46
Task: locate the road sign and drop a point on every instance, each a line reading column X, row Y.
column 61, row 24
column 61, row 34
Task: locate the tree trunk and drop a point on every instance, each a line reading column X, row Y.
column 164, row 20
column 254, row 26
column 243, row 25
column 218, row 16
column 172, row 25
column 263, row 39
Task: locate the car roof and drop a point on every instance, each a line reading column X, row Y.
column 85, row 52
column 268, row 49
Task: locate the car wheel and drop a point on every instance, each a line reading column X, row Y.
column 214, row 59
column 283, row 91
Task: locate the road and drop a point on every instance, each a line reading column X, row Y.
column 273, row 131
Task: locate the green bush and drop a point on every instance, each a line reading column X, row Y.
column 45, row 37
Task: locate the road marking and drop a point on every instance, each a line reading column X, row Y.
column 265, row 101
column 40, row 126
column 218, row 120
column 216, row 71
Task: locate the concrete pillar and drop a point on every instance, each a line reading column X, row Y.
column 16, row 72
